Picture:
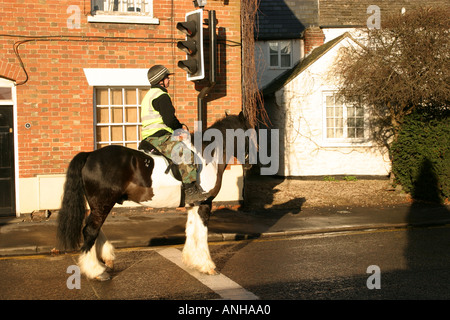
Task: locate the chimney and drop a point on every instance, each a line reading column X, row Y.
column 313, row 38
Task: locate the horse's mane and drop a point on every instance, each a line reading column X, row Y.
column 228, row 122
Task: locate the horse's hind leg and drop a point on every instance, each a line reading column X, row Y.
column 88, row 261
column 196, row 251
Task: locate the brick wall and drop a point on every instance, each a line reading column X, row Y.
column 313, row 38
column 58, row 102
column 354, row 12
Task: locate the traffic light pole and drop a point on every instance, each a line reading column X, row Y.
column 201, row 103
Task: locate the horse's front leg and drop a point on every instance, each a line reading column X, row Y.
column 196, row 251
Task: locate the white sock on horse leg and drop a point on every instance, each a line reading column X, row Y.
column 89, row 263
column 105, row 250
column 196, row 251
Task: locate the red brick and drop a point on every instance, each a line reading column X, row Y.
column 57, row 100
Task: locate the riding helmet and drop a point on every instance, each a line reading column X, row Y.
column 156, row 73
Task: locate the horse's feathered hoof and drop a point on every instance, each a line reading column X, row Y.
column 212, row 272
column 103, row 277
column 109, row 264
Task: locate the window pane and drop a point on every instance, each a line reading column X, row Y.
column 102, row 115
column 273, row 48
column 130, row 96
column 285, row 61
column 285, row 47
column 102, row 133
column 131, row 114
column 102, row 97
column 330, row 122
column 273, row 54
column 116, row 96
column 285, row 51
column 351, row 133
column 350, row 112
column 339, row 133
column 359, row 133
column 330, row 133
column 117, row 115
column 351, row 122
column 330, row 111
column 142, row 93
column 329, row 101
column 113, row 5
column 97, row 5
column 116, row 133
column 130, row 133
column 359, row 122
column 339, row 111
column 274, row 61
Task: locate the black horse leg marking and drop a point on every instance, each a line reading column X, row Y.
column 204, row 211
column 90, row 231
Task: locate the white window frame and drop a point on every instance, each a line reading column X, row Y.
column 343, row 141
column 122, row 124
column 122, row 15
column 13, row 102
column 278, row 42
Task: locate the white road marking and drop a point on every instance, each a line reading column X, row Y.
column 220, row 284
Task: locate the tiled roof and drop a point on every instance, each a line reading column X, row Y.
column 285, row 19
column 341, row 13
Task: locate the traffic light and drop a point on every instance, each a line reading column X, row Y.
column 193, row 45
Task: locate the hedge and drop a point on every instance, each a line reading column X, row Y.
column 421, row 156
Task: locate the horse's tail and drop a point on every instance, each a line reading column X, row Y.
column 73, row 206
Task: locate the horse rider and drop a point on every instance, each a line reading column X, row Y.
column 159, row 122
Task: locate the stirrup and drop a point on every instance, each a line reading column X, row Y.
column 194, row 193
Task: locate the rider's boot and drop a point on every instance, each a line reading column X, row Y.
column 194, row 193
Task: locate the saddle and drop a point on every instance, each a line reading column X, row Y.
column 150, row 149
column 191, row 192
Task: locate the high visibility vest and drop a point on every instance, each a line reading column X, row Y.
column 152, row 120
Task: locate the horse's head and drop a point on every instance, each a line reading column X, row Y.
column 242, row 137
column 245, row 123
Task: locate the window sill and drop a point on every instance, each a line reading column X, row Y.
column 280, row 68
column 344, row 144
column 122, row 19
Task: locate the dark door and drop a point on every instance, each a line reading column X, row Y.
column 7, row 194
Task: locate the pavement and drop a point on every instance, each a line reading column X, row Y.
column 144, row 227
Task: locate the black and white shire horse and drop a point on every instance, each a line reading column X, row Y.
column 113, row 174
